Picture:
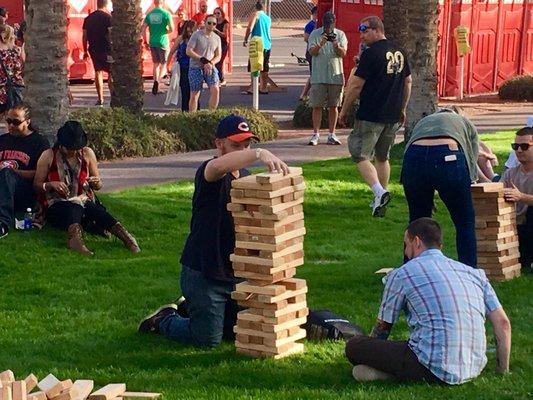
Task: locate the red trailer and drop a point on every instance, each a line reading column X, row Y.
column 79, row 9
column 501, row 36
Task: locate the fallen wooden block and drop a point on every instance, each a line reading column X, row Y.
column 5, row 393
column 82, row 388
column 7, row 376
column 31, row 382
column 58, row 388
column 37, row 396
column 109, row 392
column 141, row 395
column 18, row 390
column 48, row 383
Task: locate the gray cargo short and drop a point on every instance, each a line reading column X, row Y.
column 371, row 139
column 325, row 95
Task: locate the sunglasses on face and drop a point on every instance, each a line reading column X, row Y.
column 364, row 28
column 14, row 122
column 523, row 146
column 211, row 23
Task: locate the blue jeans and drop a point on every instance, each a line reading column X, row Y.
column 16, row 194
column 425, row 170
column 212, row 312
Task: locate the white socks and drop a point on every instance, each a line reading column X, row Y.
column 378, row 189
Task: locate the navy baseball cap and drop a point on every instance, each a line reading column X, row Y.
column 235, row 128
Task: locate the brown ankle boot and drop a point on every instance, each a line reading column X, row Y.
column 75, row 240
column 129, row 241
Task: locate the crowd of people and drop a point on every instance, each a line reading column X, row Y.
column 445, row 301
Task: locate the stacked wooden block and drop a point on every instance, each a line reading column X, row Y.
column 497, row 239
column 51, row 388
column 269, row 230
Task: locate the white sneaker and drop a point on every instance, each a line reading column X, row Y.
column 314, row 139
column 364, row 373
column 332, row 139
column 380, row 204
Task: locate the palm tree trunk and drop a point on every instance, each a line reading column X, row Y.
column 423, row 18
column 396, row 20
column 126, row 47
column 45, row 71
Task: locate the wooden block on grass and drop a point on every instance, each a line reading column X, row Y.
column 5, row 393
column 31, row 382
column 58, row 388
column 36, row 396
column 82, row 388
column 48, row 383
column 109, row 392
column 18, row 390
column 7, row 376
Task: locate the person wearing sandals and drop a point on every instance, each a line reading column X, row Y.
column 66, row 178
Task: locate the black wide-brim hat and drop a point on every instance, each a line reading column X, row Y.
column 72, row 136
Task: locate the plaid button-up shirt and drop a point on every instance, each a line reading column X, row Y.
column 445, row 303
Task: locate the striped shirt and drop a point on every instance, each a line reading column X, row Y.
column 445, row 303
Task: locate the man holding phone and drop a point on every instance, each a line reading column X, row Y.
column 327, row 46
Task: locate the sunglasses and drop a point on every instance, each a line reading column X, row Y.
column 211, row 23
column 364, row 28
column 523, row 146
column 14, row 122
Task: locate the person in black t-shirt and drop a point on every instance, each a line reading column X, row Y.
column 382, row 82
column 96, row 29
column 19, row 151
column 207, row 278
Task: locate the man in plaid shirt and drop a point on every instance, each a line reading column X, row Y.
column 445, row 303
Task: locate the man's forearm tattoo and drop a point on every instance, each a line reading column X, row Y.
column 381, row 330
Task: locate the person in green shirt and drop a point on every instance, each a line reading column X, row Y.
column 159, row 23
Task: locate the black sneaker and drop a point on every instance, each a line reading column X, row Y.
column 4, row 230
column 380, row 204
column 151, row 322
column 155, row 88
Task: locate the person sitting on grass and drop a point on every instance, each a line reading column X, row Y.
column 519, row 189
column 207, row 278
column 445, row 303
column 19, row 151
column 66, row 177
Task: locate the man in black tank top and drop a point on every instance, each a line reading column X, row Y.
column 207, row 278
column 382, row 83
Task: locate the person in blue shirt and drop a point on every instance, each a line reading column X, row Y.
column 445, row 303
column 259, row 25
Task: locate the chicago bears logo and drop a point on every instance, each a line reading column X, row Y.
column 243, row 126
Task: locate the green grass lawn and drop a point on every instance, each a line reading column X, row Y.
column 77, row 317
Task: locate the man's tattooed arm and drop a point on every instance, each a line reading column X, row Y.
column 381, row 330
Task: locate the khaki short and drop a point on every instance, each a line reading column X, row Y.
column 369, row 139
column 325, row 95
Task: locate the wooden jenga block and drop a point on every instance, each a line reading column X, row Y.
column 266, row 177
column 31, row 382
column 262, row 305
column 489, row 187
column 108, row 392
column 5, row 393
column 283, row 296
column 36, row 396
column 7, row 376
column 58, row 388
column 274, row 263
column 48, row 383
column 271, row 290
column 274, row 247
column 233, row 207
column 291, row 308
column 266, row 351
column 300, row 334
column 82, row 388
column 273, row 278
column 279, row 208
column 297, row 180
column 18, row 390
column 249, row 182
column 256, row 201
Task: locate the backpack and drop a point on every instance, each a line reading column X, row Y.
column 323, row 325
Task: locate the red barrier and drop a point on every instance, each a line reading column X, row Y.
column 79, row 9
column 501, row 36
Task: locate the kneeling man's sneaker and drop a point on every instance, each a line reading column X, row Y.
column 151, row 322
column 4, row 230
column 364, row 373
column 380, row 204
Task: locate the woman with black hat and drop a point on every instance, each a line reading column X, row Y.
column 67, row 176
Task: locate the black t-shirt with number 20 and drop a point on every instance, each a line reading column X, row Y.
column 384, row 68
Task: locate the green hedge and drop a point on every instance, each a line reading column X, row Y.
column 303, row 117
column 517, row 88
column 116, row 133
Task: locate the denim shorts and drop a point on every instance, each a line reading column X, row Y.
column 197, row 77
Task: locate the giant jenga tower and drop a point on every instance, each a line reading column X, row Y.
column 497, row 239
column 268, row 214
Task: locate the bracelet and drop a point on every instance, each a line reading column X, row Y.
column 258, row 153
column 44, row 187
